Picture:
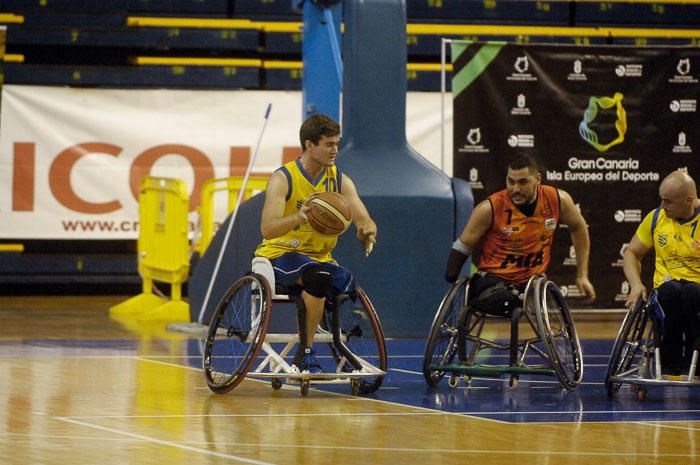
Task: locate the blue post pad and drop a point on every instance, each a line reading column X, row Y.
column 412, row 201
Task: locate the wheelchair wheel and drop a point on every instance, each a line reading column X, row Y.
column 627, row 347
column 363, row 337
column 236, row 333
column 442, row 340
column 559, row 334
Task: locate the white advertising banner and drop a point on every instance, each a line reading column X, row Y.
column 71, row 159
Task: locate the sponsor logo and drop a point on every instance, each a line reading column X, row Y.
column 663, row 240
column 629, row 70
column 682, row 145
column 474, row 179
column 624, row 292
column 521, row 140
column 628, row 216
column 571, row 290
column 520, row 108
column 589, row 116
column 571, row 259
column 683, row 75
column 473, row 142
column 521, row 66
column 578, row 74
column 684, row 105
column 618, row 263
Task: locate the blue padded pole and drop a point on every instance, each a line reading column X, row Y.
column 321, row 56
column 411, row 200
column 374, row 95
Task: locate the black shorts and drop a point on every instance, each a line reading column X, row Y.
column 493, row 295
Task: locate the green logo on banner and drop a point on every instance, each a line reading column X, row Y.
column 590, row 114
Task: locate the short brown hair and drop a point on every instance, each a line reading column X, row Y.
column 316, row 126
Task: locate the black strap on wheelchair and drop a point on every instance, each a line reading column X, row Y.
column 337, row 332
column 301, row 322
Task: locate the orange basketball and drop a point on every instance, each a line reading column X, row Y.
column 330, row 214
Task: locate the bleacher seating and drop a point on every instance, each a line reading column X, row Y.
column 257, row 44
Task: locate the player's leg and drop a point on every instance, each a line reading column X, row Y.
column 670, row 297
column 691, row 312
column 315, row 282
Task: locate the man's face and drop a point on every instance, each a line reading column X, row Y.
column 522, row 185
column 325, row 152
column 674, row 202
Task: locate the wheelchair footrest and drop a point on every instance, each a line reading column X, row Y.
column 486, row 370
column 665, row 380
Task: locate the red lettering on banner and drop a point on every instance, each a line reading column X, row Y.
column 290, row 153
column 23, row 177
column 24, row 172
column 142, row 165
column 59, row 178
column 238, row 161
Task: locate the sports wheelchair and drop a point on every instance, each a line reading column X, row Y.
column 541, row 325
column 240, row 342
column 636, row 357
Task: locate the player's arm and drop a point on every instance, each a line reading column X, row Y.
column 273, row 222
column 364, row 224
column 571, row 216
column 632, row 267
column 476, row 228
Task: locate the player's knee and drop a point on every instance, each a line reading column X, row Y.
column 317, row 281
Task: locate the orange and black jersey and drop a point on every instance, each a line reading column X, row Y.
column 518, row 246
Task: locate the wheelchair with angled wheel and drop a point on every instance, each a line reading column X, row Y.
column 241, row 343
column 636, row 354
column 462, row 342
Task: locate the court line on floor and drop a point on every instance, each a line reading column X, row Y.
column 376, row 449
column 387, row 402
column 162, row 442
column 657, row 425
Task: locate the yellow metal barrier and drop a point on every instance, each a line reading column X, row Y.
column 206, row 209
column 163, row 251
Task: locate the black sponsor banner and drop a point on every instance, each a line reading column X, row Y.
column 606, row 124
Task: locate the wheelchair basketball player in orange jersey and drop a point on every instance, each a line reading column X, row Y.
column 516, row 227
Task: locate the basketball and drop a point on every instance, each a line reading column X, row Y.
column 330, row 213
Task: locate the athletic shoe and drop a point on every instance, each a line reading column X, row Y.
column 309, row 363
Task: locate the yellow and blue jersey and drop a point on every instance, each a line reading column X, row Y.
column 303, row 239
column 676, row 245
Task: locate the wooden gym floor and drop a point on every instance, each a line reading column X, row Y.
column 80, row 388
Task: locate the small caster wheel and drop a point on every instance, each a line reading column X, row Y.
column 453, row 381
column 305, row 387
column 513, row 382
column 355, row 387
column 276, row 384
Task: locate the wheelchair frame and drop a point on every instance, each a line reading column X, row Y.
column 457, row 330
column 238, row 343
column 636, row 357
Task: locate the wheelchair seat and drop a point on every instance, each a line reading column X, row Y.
column 540, row 325
column 636, row 354
column 263, row 267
